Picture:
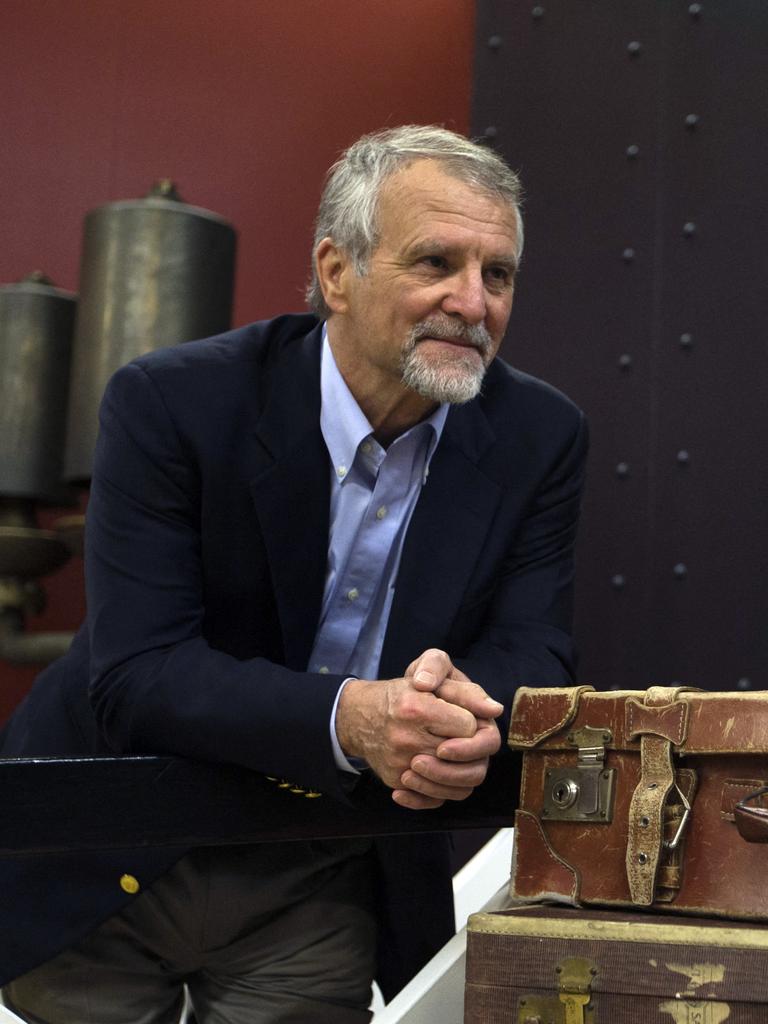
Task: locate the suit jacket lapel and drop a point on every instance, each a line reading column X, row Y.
column 444, row 541
column 291, row 492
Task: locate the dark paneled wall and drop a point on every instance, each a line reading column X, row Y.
column 640, row 129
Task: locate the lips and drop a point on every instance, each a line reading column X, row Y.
column 456, row 342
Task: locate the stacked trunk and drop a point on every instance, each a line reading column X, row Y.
column 651, row 800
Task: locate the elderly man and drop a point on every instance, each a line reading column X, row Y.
column 327, row 548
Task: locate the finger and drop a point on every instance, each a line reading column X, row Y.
column 457, row 775
column 445, row 719
column 413, row 782
column 434, row 791
column 470, row 696
column 425, row 679
column 415, row 801
column 484, row 743
column 412, row 717
column 429, row 670
column 443, row 784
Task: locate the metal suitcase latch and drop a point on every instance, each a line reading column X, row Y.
column 584, row 792
column 572, row 1004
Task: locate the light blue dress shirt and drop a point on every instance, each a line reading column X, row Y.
column 373, row 494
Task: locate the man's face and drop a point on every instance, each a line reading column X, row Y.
column 431, row 311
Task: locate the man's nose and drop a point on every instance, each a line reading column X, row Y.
column 466, row 297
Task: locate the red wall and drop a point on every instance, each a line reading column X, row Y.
column 244, row 103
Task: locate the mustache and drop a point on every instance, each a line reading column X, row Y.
column 475, row 335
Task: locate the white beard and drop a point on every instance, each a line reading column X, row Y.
column 455, row 378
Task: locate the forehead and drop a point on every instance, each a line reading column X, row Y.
column 424, row 201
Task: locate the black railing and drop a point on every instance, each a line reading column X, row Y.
column 56, row 804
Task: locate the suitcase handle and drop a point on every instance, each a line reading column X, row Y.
column 752, row 822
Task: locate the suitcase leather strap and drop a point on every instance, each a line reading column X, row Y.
column 657, row 777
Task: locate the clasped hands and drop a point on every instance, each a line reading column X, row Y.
column 428, row 736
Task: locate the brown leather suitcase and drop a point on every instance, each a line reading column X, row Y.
column 557, row 965
column 634, row 798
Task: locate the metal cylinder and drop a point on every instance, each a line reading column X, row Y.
column 154, row 272
column 36, row 326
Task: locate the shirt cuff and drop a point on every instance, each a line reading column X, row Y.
column 354, row 765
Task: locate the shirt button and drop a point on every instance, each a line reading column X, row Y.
column 323, row 670
column 129, row 884
column 381, row 512
column 341, row 471
column 365, row 447
column 353, row 594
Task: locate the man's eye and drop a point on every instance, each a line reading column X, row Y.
column 498, row 276
column 437, row 262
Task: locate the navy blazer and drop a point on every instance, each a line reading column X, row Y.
column 206, row 549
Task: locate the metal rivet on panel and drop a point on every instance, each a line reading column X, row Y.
column 634, row 48
column 622, row 469
column 617, row 581
column 691, row 121
column 491, row 132
column 628, row 255
column 680, row 570
column 694, row 10
column 494, row 42
column 683, row 457
column 633, row 151
column 744, row 684
column 625, row 361
column 686, row 340
column 689, row 228
column 538, row 12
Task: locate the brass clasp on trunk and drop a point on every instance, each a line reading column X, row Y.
column 571, row 1005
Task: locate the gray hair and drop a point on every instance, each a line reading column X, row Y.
column 348, row 207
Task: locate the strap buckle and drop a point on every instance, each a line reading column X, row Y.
column 672, row 844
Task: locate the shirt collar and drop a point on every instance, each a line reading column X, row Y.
column 343, row 423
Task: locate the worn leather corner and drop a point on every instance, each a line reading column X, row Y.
column 539, row 712
column 538, row 873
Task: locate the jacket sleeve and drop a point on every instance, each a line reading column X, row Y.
column 157, row 685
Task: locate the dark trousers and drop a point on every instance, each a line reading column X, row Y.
column 259, row 934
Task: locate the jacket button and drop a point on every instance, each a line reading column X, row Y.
column 129, row 884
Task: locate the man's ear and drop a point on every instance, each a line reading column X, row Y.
column 333, row 270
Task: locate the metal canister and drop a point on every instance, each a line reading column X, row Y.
column 36, row 327
column 154, row 272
